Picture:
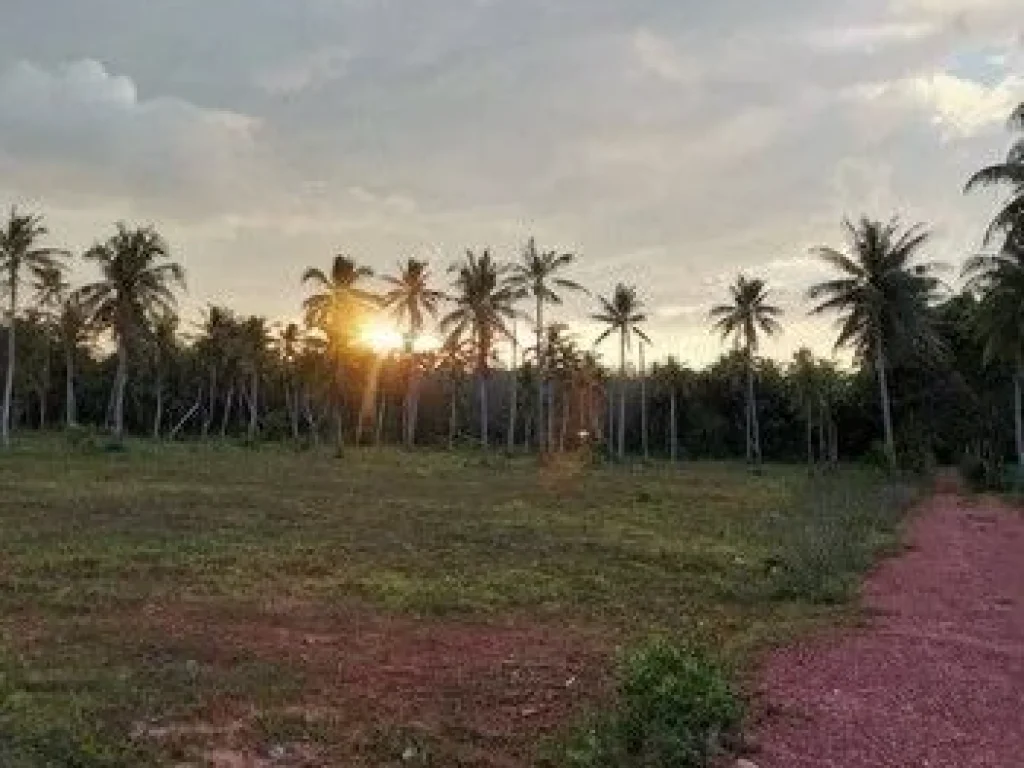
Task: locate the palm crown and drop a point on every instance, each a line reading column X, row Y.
column 748, row 315
column 999, row 316
column 19, row 251
column 137, row 280
column 482, row 304
column 335, row 309
column 622, row 314
column 410, row 296
column 1007, row 173
column 882, row 296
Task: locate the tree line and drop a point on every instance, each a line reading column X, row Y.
column 936, row 370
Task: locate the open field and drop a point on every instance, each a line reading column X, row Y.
column 188, row 603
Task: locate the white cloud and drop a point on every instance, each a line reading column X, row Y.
column 870, row 37
column 80, row 125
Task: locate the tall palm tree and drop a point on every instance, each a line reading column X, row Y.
column 75, row 327
column 336, row 309
column 883, row 300
column 803, row 373
column 623, row 314
column 747, row 316
column 137, row 283
column 999, row 316
column 253, row 342
column 1009, row 173
column 483, row 305
column 411, row 300
column 21, row 256
column 537, row 275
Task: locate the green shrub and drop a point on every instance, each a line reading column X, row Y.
column 674, row 708
column 983, row 473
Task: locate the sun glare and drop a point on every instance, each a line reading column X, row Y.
column 382, row 338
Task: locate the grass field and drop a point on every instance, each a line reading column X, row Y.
column 189, row 604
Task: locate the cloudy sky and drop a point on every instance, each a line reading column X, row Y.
column 672, row 143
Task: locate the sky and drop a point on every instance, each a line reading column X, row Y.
column 672, row 144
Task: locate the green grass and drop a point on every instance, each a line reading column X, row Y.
column 90, row 541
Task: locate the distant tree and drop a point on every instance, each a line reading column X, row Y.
column 483, row 307
column 1009, row 173
column 747, row 316
column 883, row 300
column 623, row 314
column 411, row 299
column 536, row 275
column 288, row 346
column 254, row 344
column 21, row 256
column 998, row 279
column 336, row 309
column 137, row 283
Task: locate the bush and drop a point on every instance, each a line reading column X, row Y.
column 674, row 708
column 983, row 473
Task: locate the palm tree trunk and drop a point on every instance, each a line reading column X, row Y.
column 378, row 434
column 513, row 394
column 883, row 386
column 550, row 432
column 610, row 426
column 1018, row 417
column 339, row 396
column 44, row 389
column 254, row 405
column 414, row 406
column 70, row 404
column 208, row 418
column 823, row 434
column 483, row 408
column 673, row 429
column 755, row 436
column 541, row 445
column 452, row 413
column 5, row 419
column 622, row 395
column 229, row 403
column 159, row 413
column 120, row 380
column 643, row 405
column 810, row 437
column 565, row 423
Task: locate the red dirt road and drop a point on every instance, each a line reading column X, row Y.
column 935, row 679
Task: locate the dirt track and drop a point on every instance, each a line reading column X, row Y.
column 935, row 679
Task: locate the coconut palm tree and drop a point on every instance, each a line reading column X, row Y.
column 137, row 284
column 253, row 344
column 807, row 394
column 21, row 256
column 537, row 275
column 483, row 307
column 75, row 328
column 746, row 317
column 411, row 300
column 999, row 315
column 623, row 314
column 336, row 309
column 883, row 299
column 1009, row 173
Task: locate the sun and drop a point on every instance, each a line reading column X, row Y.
column 382, row 338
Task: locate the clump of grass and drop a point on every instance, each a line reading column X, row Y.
column 832, row 536
column 674, row 708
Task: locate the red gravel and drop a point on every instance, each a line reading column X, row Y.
column 936, row 679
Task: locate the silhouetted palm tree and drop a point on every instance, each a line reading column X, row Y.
column 623, row 314
column 536, row 275
column 411, row 300
column 21, row 256
column 336, row 310
column 483, row 305
column 747, row 316
column 137, row 284
column 1009, row 173
column 999, row 316
column 164, row 348
column 883, row 300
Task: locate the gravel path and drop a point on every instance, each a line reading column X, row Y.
column 935, row 679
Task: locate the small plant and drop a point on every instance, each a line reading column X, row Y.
column 674, row 708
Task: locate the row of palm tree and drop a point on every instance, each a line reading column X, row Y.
column 882, row 296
